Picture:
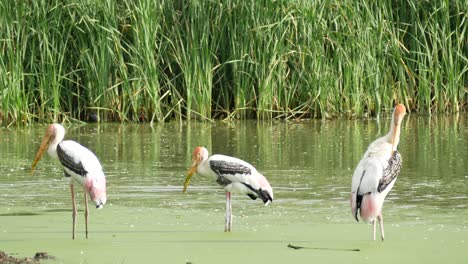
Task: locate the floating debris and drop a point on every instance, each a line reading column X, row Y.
column 319, row 248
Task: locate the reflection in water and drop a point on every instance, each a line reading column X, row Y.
column 309, row 164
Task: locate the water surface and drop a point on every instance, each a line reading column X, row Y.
column 309, row 164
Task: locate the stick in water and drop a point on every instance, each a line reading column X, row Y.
column 318, row 248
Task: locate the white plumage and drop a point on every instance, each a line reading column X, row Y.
column 80, row 154
column 374, row 161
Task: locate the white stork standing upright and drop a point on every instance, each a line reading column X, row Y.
column 376, row 174
column 234, row 175
column 80, row 165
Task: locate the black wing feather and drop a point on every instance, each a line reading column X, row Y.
column 69, row 163
column 222, row 167
column 223, row 181
column 391, row 172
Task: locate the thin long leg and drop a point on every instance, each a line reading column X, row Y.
column 380, row 217
column 230, row 212
column 73, row 210
column 374, row 223
column 228, row 220
column 86, row 213
column 226, row 223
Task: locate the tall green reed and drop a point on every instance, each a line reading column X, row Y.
column 154, row 61
column 14, row 98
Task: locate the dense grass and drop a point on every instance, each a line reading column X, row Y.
column 159, row 60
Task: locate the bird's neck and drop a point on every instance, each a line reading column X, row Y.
column 52, row 150
column 203, row 168
column 394, row 130
column 57, row 139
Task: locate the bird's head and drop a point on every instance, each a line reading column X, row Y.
column 199, row 154
column 54, row 134
column 398, row 114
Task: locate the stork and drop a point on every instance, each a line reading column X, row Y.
column 80, row 166
column 234, row 175
column 376, row 174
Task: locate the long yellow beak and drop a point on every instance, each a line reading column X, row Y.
column 190, row 173
column 40, row 152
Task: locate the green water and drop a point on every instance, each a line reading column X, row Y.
column 309, row 164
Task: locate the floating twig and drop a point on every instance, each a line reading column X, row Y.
column 319, row 248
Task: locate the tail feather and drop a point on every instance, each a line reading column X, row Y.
column 265, row 192
column 358, row 198
column 262, row 194
column 358, row 206
column 265, row 196
column 252, row 196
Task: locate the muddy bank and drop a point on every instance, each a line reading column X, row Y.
column 38, row 257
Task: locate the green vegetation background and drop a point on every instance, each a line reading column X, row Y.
column 159, row 60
